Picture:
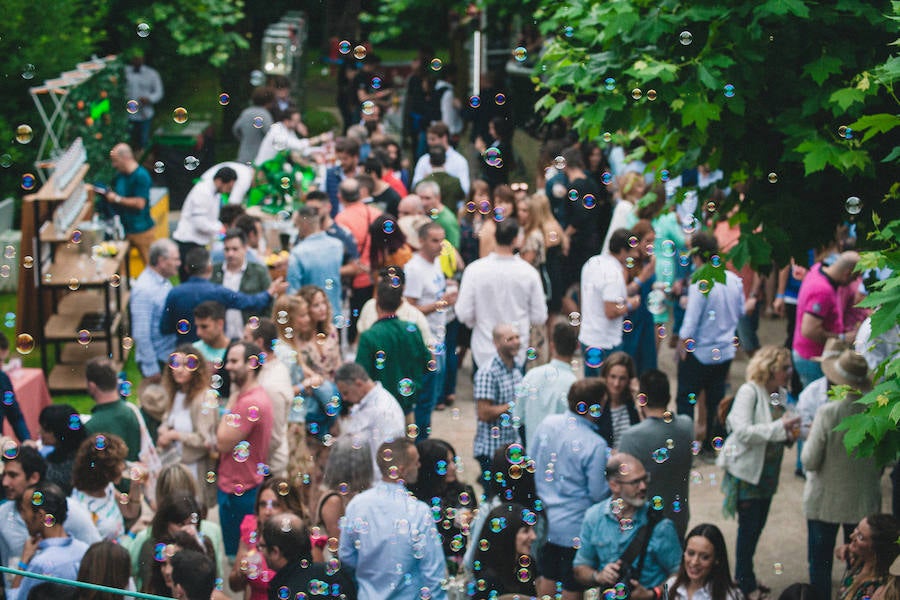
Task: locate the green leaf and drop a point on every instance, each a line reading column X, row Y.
column 875, row 124
column 820, row 69
column 894, row 155
column 781, row 8
column 816, row 155
column 699, row 112
column 846, row 97
column 707, row 78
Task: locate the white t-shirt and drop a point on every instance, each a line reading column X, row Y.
column 602, row 280
column 426, row 282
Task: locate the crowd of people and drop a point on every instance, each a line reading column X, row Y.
column 299, row 406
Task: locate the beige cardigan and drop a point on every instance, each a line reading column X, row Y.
column 751, row 426
column 839, row 488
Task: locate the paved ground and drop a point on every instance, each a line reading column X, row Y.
column 781, row 556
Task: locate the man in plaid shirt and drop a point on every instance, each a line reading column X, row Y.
column 496, row 391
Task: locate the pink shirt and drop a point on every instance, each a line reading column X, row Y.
column 240, row 466
column 820, row 298
column 259, row 574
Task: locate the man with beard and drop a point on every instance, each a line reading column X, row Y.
column 243, row 439
column 614, row 536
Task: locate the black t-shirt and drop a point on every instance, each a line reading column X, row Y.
column 590, row 218
column 296, row 579
column 390, row 199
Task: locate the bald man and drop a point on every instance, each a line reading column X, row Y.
column 129, row 198
column 821, row 311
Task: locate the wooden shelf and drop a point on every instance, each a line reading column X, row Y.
column 65, row 328
column 49, row 233
column 81, row 302
column 69, row 265
column 75, row 353
column 70, row 378
column 49, row 193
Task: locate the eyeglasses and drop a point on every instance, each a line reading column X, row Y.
column 638, row 481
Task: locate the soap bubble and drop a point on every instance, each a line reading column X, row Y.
column 359, row 52
column 436, row 64
column 729, row 90
column 344, row 47
column 24, row 343
column 773, row 177
column 853, row 205
column 28, row 181
column 191, row 163
column 224, row 99
column 180, row 115
column 143, row 30
column 520, row 54
column 24, row 134
column 686, row 37
column 257, row 78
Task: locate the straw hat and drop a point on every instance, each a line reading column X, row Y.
column 153, row 400
column 847, row 368
column 833, row 347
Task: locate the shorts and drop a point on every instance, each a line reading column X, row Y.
column 555, row 563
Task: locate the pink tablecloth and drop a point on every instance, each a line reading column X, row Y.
column 32, row 395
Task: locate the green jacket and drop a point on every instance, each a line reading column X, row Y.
column 256, row 279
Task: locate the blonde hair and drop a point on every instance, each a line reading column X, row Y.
column 627, row 183
column 764, row 363
column 541, row 216
column 175, row 478
column 292, row 305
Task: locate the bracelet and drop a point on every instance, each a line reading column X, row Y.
column 23, row 566
column 779, row 296
column 637, row 280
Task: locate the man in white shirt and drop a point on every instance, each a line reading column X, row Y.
column 426, row 289
column 375, row 415
column 605, row 301
column 148, row 299
column 438, row 134
column 239, row 275
column 199, row 220
column 500, row 288
column 282, row 135
column 245, row 174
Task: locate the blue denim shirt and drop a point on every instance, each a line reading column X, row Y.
column 603, row 541
column 316, row 260
column 59, row 557
column 182, row 299
column 570, row 462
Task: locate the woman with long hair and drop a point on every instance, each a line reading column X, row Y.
column 471, row 218
column 99, row 466
column 61, row 428
column 503, row 560
column 160, row 581
column 175, row 481
column 180, row 511
column 617, row 373
column 504, row 207
column 250, row 573
column 312, row 357
column 640, row 340
column 349, row 471
column 704, row 573
column 452, row 502
column 188, row 427
column 327, row 357
column 752, row 454
column 872, row 549
column 389, row 245
column 105, row 563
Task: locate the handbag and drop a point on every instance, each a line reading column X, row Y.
column 148, row 456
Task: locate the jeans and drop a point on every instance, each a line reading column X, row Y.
column 808, row 370
column 432, row 387
column 140, row 133
column 752, row 515
column 452, row 360
column 820, row 552
column 747, row 328
column 590, row 371
column 695, row 377
column 232, row 510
